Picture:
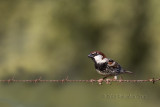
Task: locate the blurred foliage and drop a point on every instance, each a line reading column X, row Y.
column 52, row 38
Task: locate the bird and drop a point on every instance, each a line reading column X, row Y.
column 106, row 66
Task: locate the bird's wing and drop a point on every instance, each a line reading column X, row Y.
column 112, row 63
column 114, row 66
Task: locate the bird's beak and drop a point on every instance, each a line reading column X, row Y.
column 90, row 56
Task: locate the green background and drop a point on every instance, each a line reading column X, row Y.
column 52, row 38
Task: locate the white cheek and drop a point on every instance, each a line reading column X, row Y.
column 99, row 59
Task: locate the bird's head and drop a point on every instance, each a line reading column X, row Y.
column 98, row 57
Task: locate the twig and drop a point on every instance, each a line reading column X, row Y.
column 107, row 81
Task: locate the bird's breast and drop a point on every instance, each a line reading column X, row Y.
column 101, row 67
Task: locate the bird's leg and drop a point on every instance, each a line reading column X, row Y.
column 121, row 78
column 104, row 77
column 101, row 80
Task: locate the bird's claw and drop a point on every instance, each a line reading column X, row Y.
column 100, row 81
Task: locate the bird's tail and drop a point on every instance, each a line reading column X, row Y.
column 129, row 72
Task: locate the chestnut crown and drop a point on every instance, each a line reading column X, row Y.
column 95, row 53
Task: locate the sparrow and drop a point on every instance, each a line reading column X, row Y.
column 106, row 66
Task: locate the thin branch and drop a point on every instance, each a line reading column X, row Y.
column 107, row 81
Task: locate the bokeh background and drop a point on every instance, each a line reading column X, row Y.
column 52, row 38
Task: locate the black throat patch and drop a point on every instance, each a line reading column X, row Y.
column 101, row 66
